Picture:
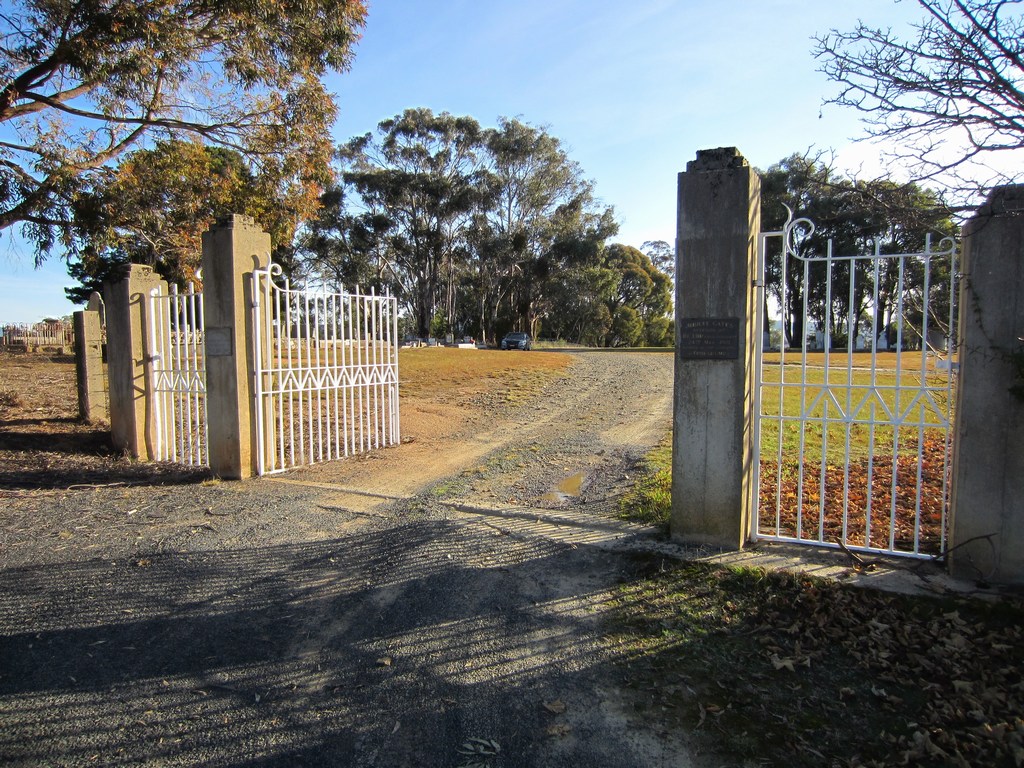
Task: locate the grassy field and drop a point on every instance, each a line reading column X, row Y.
column 444, row 369
column 856, row 452
column 831, row 468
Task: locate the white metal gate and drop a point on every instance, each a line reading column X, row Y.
column 327, row 373
column 854, row 439
column 176, row 426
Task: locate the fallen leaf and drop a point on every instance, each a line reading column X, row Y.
column 780, row 663
column 555, row 707
column 558, row 729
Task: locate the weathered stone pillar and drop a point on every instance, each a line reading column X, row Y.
column 231, row 251
column 988, row 462
column 719, row 220
column 92, row 383
column 127, row 317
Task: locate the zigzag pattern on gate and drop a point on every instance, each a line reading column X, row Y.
column 327, row 373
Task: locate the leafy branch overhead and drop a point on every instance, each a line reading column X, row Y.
column 82, row 82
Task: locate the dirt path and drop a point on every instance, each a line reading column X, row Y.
column 380, row 612
column 607, row 413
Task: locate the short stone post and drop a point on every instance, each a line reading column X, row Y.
column 713, row 466
column 231, row 251
column 987, row 509
column 92, row 383
column 126, row 310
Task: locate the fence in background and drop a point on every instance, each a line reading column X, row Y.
column 30, row 336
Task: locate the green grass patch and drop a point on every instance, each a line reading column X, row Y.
column 832, row 415
column 777, row 669
column 650, row 500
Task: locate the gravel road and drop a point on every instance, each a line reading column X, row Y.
column 444, row 603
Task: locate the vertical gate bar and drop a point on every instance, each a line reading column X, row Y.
column 174, row 317
column 952, row 343
column 340, row 402
column 851, row 324
column 289, row 368
column 759, row 309
column 317, row 381
column 361, row 334
column 155, row 426
column 803, row 412
column 282, row 344
column 826, row 400
column 189, row 372
column 396, row 411
column 330, row 363
column 784, row 293
column 342, row 383
column 323, row 369
column 368, row 366
column 374, row 308
column 897, row 404
column 339, row 360
column 389, row 413
column 350, row 388
column 876, row 277
column 925, row 311
column 201, row 413
column 305, row 413
column 180, row 394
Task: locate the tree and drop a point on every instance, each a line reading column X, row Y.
column 155, row 206
column 859, row 218
column 539, row 219
column 662, row 256
column 474, row 228
column 961, row 77
column 641, row 299
column 86, row 81
column 343, row 248
column 418, row 179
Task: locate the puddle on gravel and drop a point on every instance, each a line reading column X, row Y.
column 568, row 488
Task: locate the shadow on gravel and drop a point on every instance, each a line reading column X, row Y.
column 370, row 649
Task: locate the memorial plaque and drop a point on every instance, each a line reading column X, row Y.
column 709, row 338
column 218, row 342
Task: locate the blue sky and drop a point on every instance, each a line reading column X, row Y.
column 632, row 89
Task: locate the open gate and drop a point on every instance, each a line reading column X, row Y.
column 176, row 423
column 853, row 425
column 326, row 373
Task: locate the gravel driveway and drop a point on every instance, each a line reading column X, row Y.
column 363, row 613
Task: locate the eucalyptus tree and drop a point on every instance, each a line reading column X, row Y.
column 641, row 300
column 83, row 82
column 418, row 178
column 539, row 218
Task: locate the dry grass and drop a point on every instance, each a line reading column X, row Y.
column 439, row 370
column 43, row 444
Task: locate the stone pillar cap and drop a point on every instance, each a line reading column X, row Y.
column 720, row 159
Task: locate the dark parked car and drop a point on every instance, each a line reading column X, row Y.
column 516, row 341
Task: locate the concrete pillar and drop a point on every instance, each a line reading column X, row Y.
column 231, row 251
column 92, row 380
column 718, row 224
column 988, row 461
column 127, row 320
